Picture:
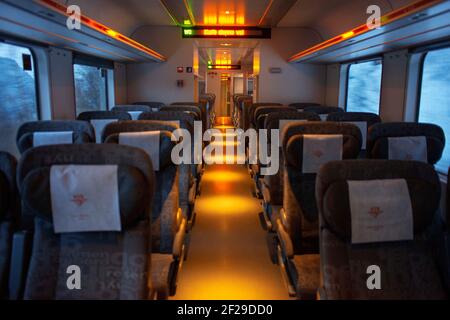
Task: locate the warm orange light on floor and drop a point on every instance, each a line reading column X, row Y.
column 224, row 121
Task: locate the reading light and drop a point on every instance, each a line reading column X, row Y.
column 348, row 34
column 225, row 44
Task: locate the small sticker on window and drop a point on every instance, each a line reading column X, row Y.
column 26, row 62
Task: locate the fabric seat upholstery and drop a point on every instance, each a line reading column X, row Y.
column 113, row 265
column 409, row 269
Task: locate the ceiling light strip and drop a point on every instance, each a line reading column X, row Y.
column 91, row 23
column 386, row 19
column 189, row 11
column 266, row 12
column 169, row 13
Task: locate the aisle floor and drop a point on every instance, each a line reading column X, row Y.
column 228, row 256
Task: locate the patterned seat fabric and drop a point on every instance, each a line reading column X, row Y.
column 369, row 118
column 299, row 188
column 166, row 197
column 133, row 108
column 113, row 265
column 409, row 269
column 100, row 115
column 9, row 213
column 379, row 134
column 82, row 131
column 274, row 183
column 188, row 172
column 151, row 104
column 261, row 114
column 303, row 105
column 322, row 110
column 203, row 112
column 193, row 110
column 252, row 108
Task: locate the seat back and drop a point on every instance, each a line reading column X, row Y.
column 306, row 147
column 100, row 119
column 262, row 112
column 165, row 218
column 193, row 110
column 201, row 105
column 254, row 106
column 303, row 105
column 35, row 133
column 273, row 121
column 406, row 141
column 9, row 214
column 134, row 110
column 362, row 225
column 363, row 120
column 151, row 104
column 91, row 209
column 323, row 111
column 188, row 172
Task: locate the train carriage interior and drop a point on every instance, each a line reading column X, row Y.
column 190, row 150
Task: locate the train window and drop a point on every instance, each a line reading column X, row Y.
column 434, row 100
column 364, row 86
column 18, row 103
column 90, row 88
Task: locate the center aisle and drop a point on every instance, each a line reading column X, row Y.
column 228, row 257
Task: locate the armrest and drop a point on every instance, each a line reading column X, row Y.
column 285, row 240
column 265, row 191
column 178, row 243
column 321, row 294
column 20, row 255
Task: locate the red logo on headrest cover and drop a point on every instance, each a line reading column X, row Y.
column 318, row 153
column 79, row 199
column 375, row 211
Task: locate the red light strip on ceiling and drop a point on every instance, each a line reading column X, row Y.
column 53, row 5
column 386, row 19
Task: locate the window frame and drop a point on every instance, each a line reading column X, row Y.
column 425, row 51
column 37, row 93
column 347, row 80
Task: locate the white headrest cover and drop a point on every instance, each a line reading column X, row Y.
column 52, row 137
column 408, row 148
column 320, row 149
column 362, row 125
column 381, row 211
column 99, row 125
column 85, row 198
column 146, row 140
column 134, row 114
column 323, row 117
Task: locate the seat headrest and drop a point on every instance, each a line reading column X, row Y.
column 82, row 131
column 294, row 137
column 194, row 104
column 8, row 166
column 185, row 118
column 151, row 104
column 370, row 118
column 332, row 190
column 100, row 115
column 134, row 175
column 379, row 134
column 273, row 119
column 193, row 109
column 112, row 132
column 261, row 114
column 303, row 105
column 323, row 109
column 133, row 108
